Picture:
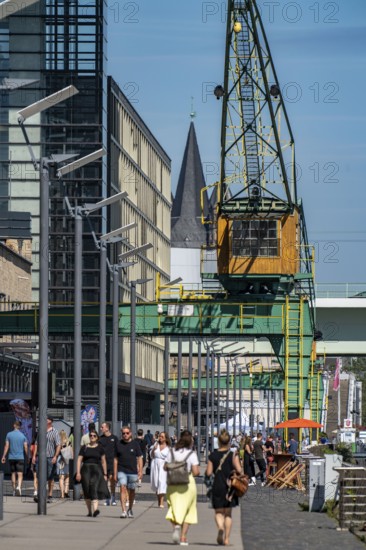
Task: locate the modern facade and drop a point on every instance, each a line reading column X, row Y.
column 45, row 48
column 138, row 165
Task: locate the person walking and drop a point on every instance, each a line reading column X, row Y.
column 269, row 453
column 142, row 442
column 222, row 462
column 249, row 459
column 127, row 469
column 109, row 443
column 259, row 450
column 63, row 467
column 292, row 445
column 85, row 439
column 33, row 468
column 91, row 470
column 53, row 448
column 16, row 447
column 182, row 499
column 159, row 454
column 149, row 439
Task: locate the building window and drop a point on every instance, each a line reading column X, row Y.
column 255, row 238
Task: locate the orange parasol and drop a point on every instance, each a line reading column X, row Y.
column 299, row 423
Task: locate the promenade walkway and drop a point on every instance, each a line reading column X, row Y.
column 267, row 518
column 66, row 526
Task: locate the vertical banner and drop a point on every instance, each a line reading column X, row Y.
column 23, row 414
column 337, row 374
column 88, row 415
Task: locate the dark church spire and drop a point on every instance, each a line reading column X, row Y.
column 187, row 229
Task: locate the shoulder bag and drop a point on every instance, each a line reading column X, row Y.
column 177, row 470
column 238, row 484
column 66, row 453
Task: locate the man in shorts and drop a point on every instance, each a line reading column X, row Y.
column 109, row 443
column 53, row 448
column 17, row 446
column 128, row 469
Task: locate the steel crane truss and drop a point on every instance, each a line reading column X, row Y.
column 258, row 155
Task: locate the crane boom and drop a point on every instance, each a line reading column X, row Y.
column 261, row 235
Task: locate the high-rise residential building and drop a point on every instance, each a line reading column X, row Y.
column 45, row 48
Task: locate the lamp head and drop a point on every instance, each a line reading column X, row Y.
column 219, row 92
column 274, row 91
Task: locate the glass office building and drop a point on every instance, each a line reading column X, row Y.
column 43, row 49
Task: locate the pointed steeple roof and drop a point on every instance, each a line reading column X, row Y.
column 187, row 229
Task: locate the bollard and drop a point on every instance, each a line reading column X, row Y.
column 1, row 496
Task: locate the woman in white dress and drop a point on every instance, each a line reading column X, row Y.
column 159, row 454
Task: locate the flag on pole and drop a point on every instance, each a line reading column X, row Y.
column 337, row 374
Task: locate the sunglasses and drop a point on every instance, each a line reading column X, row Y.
column 125, row 433
column 93, row 435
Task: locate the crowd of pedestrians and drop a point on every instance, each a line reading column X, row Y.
column 106, row 461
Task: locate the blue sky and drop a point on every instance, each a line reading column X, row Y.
column 163, row 53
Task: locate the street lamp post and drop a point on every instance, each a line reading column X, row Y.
column 115, row 351
column 133, row 360
column 102, row 329
column 251, row 404
column 212, row 400
column 207, row 396
column 114, row 269
column 43, row 167
column 133, row 353
column 101, row 244
column 166, row 350
column 179, row 389
column 190, row 372
column 240, row 400
column 235, row 402
column 218, row 378
column 199, row 376
column 227, row 361
column 166, row 385
column 78, row 212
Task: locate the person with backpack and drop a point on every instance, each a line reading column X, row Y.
column 182, row 496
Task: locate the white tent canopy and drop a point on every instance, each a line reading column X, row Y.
column 234, row 425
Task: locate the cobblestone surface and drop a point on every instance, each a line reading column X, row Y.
column 273, row 519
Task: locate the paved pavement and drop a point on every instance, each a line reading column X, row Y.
column 267, row 518
column 272, row 518
column 66, row 525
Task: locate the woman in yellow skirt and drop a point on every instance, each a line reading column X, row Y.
column 182, row 499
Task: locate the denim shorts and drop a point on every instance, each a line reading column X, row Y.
column 51, row 469
column 128, row 480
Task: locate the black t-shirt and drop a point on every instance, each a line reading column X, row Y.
column 258, row 449
column 127, row 454
column 142, row 444
column 92, row 455
column 109, row 444
column 269, row 448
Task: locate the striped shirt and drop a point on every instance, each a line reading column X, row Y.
column 53, row 441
